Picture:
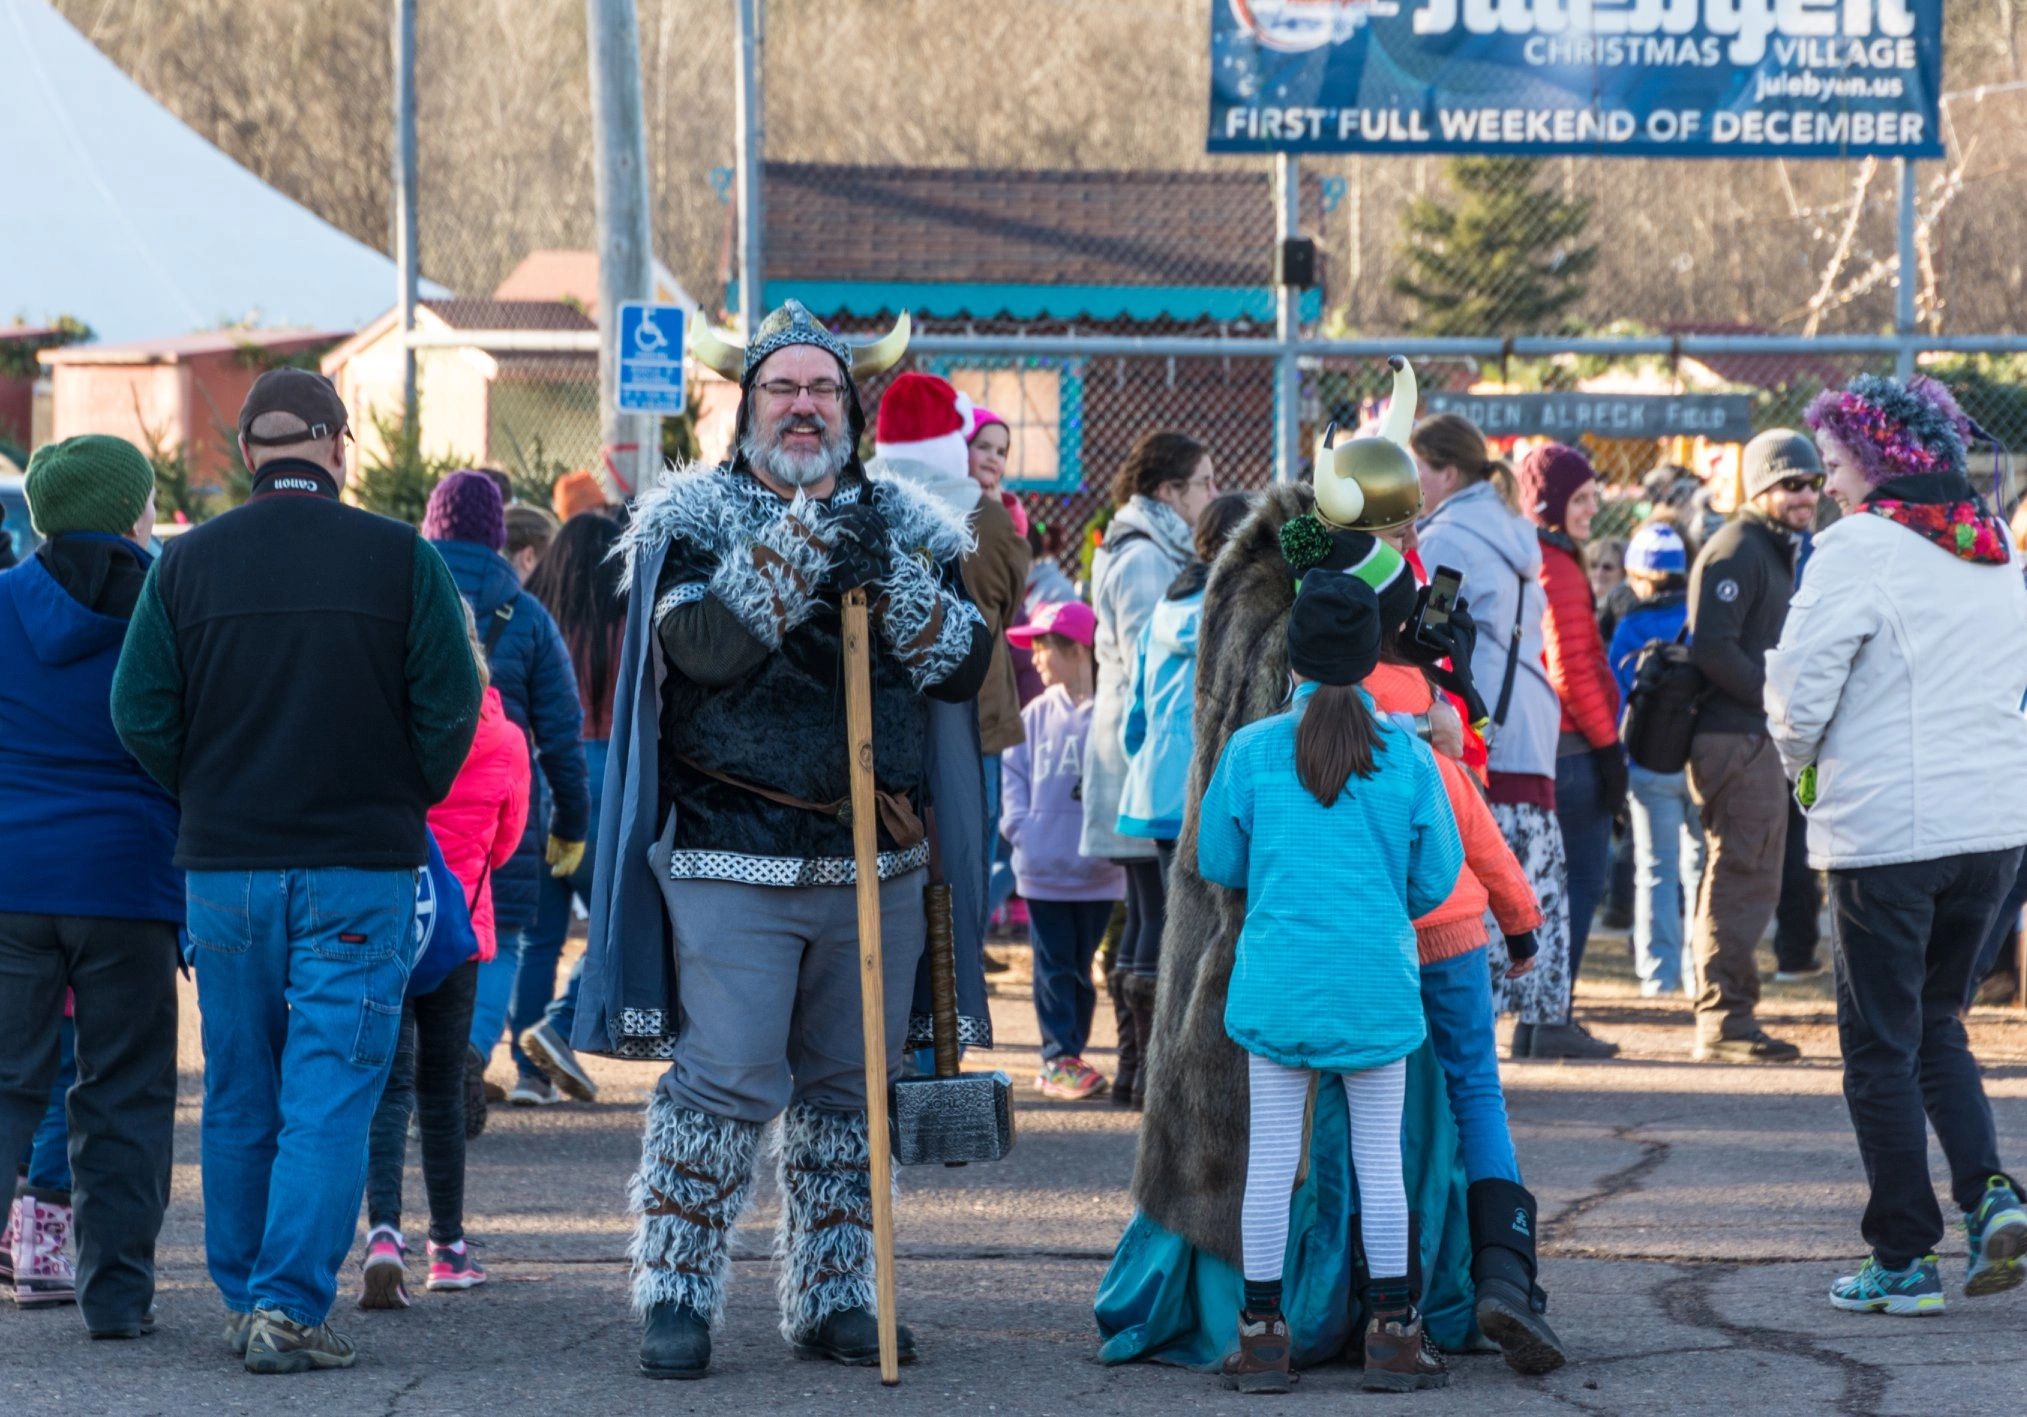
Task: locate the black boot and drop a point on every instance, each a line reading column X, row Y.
column 676, row 1342
column 1128, row 1071
column 1512, row 1308
column 1140, row 999
column 852, row 1337
column 824, row 1241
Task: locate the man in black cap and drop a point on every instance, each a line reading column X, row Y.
column 298, row 675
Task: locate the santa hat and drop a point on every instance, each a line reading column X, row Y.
column 924, row 420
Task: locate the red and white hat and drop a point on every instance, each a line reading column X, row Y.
column 923, row 420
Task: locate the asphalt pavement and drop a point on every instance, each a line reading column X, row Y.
column 1694, row 1215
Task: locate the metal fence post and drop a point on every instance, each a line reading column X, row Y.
column 751, row 145
column 1904, row 278
column 1287, row 325
column 404, row 197
column 631, row 443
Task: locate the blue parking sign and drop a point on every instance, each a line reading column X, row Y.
column 650, row 358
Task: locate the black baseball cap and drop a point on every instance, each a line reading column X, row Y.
column 290, row 406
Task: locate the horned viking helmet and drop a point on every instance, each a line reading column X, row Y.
column 792, row 324
column 1369, row 484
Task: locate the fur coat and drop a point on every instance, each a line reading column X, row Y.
column 1191, row 1173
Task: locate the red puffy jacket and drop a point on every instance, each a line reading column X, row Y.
column 479, row 824
column 1574, row 652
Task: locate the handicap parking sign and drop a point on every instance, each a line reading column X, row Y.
column 650, row 358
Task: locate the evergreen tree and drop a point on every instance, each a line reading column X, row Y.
column 1499, row 258
column 397, row 479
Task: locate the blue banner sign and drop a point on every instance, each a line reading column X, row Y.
column 1630, row 78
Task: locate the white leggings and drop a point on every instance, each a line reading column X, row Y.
column 1374, row 1098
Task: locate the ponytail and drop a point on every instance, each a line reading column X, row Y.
column 1452, row 440
column 1335, row 741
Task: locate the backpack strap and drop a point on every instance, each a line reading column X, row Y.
column 1512, row 659
column 496, row 625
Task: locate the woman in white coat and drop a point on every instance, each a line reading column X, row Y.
column 1894, row 698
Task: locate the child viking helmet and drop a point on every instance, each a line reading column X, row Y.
column 792, row 324
column 1369, row 484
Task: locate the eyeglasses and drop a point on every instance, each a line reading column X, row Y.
column 788, row 390
column 1204, row 484
column 1802, row 484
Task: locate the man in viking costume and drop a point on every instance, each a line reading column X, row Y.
column 724, row 937
column 1175, row 1279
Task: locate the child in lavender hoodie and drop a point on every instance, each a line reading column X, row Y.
column 1069, row 895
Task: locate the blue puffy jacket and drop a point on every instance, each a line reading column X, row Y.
column 531, row 669
column 1156, row 732
column 1661, row 618
column 87, row 831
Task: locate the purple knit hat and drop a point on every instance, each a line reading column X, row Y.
column 1549, row 476
column 466, row 507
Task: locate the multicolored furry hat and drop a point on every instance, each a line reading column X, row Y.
column 1896, row 429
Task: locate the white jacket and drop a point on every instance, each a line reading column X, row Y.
column 1901, row 673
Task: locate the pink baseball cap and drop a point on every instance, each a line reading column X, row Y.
column 980, row 417
column 1072, row 619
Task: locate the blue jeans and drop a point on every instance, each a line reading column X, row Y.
column 300, row 977
column 1457, row 999
column 1000, row 884
column 49, row 1153
column 1668, row 865
column 1587, row 844
column 1065, row 935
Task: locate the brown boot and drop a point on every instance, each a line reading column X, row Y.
column 1398, row 1358
column 1261, row 1364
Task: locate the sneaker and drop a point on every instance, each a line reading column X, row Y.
column 1069, row 1079
column 534, row 1092
column 555, row 1057
column 1261, row 1364
column 452, row 1267
column 43, row 1273
column 1568, row 1040
column 1399, row 1356
column 1811, row 970
column 385, row 1270
column 1997, row 990
column 238, row 1329
column 279, row 1344
column 1997, row 1231
column 1761, row 1047
column 1875, row 1289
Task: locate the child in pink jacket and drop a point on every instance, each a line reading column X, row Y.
column 477, row 827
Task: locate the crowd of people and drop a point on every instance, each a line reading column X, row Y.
column 1319, row 781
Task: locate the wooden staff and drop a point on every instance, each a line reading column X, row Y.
column 872, row 982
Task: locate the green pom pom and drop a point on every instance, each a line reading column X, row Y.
column 1304, row 543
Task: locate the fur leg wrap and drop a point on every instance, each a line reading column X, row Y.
column 824, row 1245
column 696, row 1171
column 928, row 628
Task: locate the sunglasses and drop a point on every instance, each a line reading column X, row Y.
column 1802, row 484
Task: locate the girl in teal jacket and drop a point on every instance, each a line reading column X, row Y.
column 1336, row 825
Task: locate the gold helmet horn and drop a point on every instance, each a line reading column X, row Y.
column 1369, row 484
column 727, row 357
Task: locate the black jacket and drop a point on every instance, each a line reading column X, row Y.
column 1739, row 590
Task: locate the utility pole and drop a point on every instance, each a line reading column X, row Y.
column 1904, row 279
column 632, row 443
column 404, row 197
column 1287, row 325
column 751, row 146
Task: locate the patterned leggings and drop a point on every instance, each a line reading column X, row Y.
column 1279, row 1098
column 1543, row 994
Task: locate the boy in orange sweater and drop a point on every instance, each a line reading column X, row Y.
column 1457, row 1002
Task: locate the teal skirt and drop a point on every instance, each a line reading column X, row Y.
column 1165, row 1301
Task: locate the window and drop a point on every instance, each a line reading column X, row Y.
column 1042, row 401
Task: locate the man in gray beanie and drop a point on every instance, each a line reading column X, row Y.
column 1738, row 600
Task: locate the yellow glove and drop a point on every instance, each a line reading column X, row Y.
column 564, row 857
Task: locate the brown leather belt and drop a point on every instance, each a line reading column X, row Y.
column 897, row 817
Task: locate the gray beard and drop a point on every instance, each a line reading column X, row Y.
column 795, row 469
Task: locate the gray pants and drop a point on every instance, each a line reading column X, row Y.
column 767, row 979
column 1736, row 780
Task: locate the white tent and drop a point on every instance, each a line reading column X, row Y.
column 131, row 222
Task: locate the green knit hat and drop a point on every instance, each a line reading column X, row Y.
column 93, row 482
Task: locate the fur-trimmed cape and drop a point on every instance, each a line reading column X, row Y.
column 1191, row 1173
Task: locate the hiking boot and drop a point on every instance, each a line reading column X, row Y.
column 676, row 1342
column 1875, row 1289
column 478, row 1092
column 555, row 1057
column 384, row 1271
column 279, row 1344
column 1760, row 1047
column 1997, row 1232
column 452, row 1267
column 43, row 1273
column 534, row 1092
column 1568, row 1040
column 852, row 1337
column 1069, row 1080
column 1398, row 1358
column 238, row 1329
column 1261, row 1364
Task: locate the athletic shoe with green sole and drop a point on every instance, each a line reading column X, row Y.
column 281, row 1345
column 1875, row 1289
column 238, row 1329
column 1997, row 1232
